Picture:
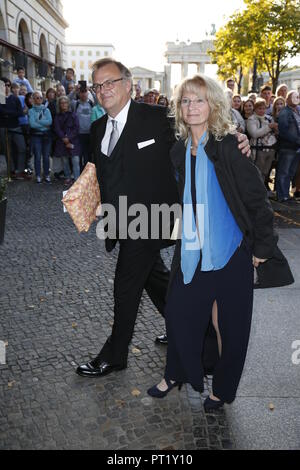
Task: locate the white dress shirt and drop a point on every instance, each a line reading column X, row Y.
column 121, row 120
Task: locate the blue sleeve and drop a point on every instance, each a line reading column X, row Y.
column 29, row 87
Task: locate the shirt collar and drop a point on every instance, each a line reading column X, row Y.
column 122, row 116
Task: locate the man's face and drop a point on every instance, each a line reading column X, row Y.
column 230, row 85
column 69, row 75
column 60, row 91
column 266, row 95
column 15, row 90
column 21, row 74
column 112, row 98
column 23, row 90
column 83, row 95
column 150, row 98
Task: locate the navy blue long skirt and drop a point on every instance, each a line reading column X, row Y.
column 188, row 313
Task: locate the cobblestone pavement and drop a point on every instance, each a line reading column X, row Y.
column 56, row 309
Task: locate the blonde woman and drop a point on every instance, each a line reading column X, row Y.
column 227, row 228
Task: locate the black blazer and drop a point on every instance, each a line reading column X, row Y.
column 246, row 195
column 144, row 175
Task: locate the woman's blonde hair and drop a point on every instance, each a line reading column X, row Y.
column 219, row 120
column 279, row 98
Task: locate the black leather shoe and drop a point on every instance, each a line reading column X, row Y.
column 92, row 369
column 163, row 339
column 210, row 404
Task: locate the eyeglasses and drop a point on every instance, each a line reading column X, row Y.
column 186, row 102
column 107, row 85
column 38, row 98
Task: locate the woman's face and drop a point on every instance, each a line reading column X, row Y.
column 162, row 101
column 195, row 108
column 248, row 108
column 283, row 91
column 51, row 95
column 236, row 102
column 64, row 106
column 261, row 110
column 279, row 105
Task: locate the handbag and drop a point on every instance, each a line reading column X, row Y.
column 275, row 272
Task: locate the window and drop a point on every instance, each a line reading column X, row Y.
column 73, row 53
column 98, row 53
column 74, row 64
column 90, row 53
column 90, row 78
column 81, row 53
column 90, row 64
column 106, row 53
column 82, row 76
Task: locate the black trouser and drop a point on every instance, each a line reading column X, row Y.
column 139, row 267
column 85, row 155
column 188, row 313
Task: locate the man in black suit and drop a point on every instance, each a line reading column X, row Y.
column 130, row 147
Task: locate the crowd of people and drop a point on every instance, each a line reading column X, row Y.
column 272, row 125
column 50, row 130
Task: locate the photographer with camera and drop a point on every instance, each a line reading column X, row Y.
column 83, row 107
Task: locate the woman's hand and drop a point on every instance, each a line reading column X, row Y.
column 244, row 145
column 257, row 261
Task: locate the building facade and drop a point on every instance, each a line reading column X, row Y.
column 32, row 34
column 81, row 57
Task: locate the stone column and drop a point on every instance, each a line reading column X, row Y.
column 184, row 70
column 201, row 67
column 167, row 81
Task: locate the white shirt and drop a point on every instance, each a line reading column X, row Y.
column 121, row 120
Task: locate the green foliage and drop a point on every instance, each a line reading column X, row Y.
column 267, row 30
column 3, row 184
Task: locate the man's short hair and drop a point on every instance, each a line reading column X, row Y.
column 70, row 70
column 265, row 88
column 124, row 71
column 20, row 68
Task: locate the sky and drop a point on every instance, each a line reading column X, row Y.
column 139, row 30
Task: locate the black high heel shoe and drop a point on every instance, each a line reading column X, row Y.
column 156, row 393
column 210, row 404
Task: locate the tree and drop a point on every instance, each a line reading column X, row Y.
column 267, row 32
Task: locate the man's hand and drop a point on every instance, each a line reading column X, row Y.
column 244, row 145
column 257, row 261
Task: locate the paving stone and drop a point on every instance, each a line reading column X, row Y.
column 56, row 308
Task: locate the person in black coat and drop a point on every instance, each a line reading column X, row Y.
column 227, row 229
column 130, row 147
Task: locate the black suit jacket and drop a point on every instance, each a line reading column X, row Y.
column 144, row 175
